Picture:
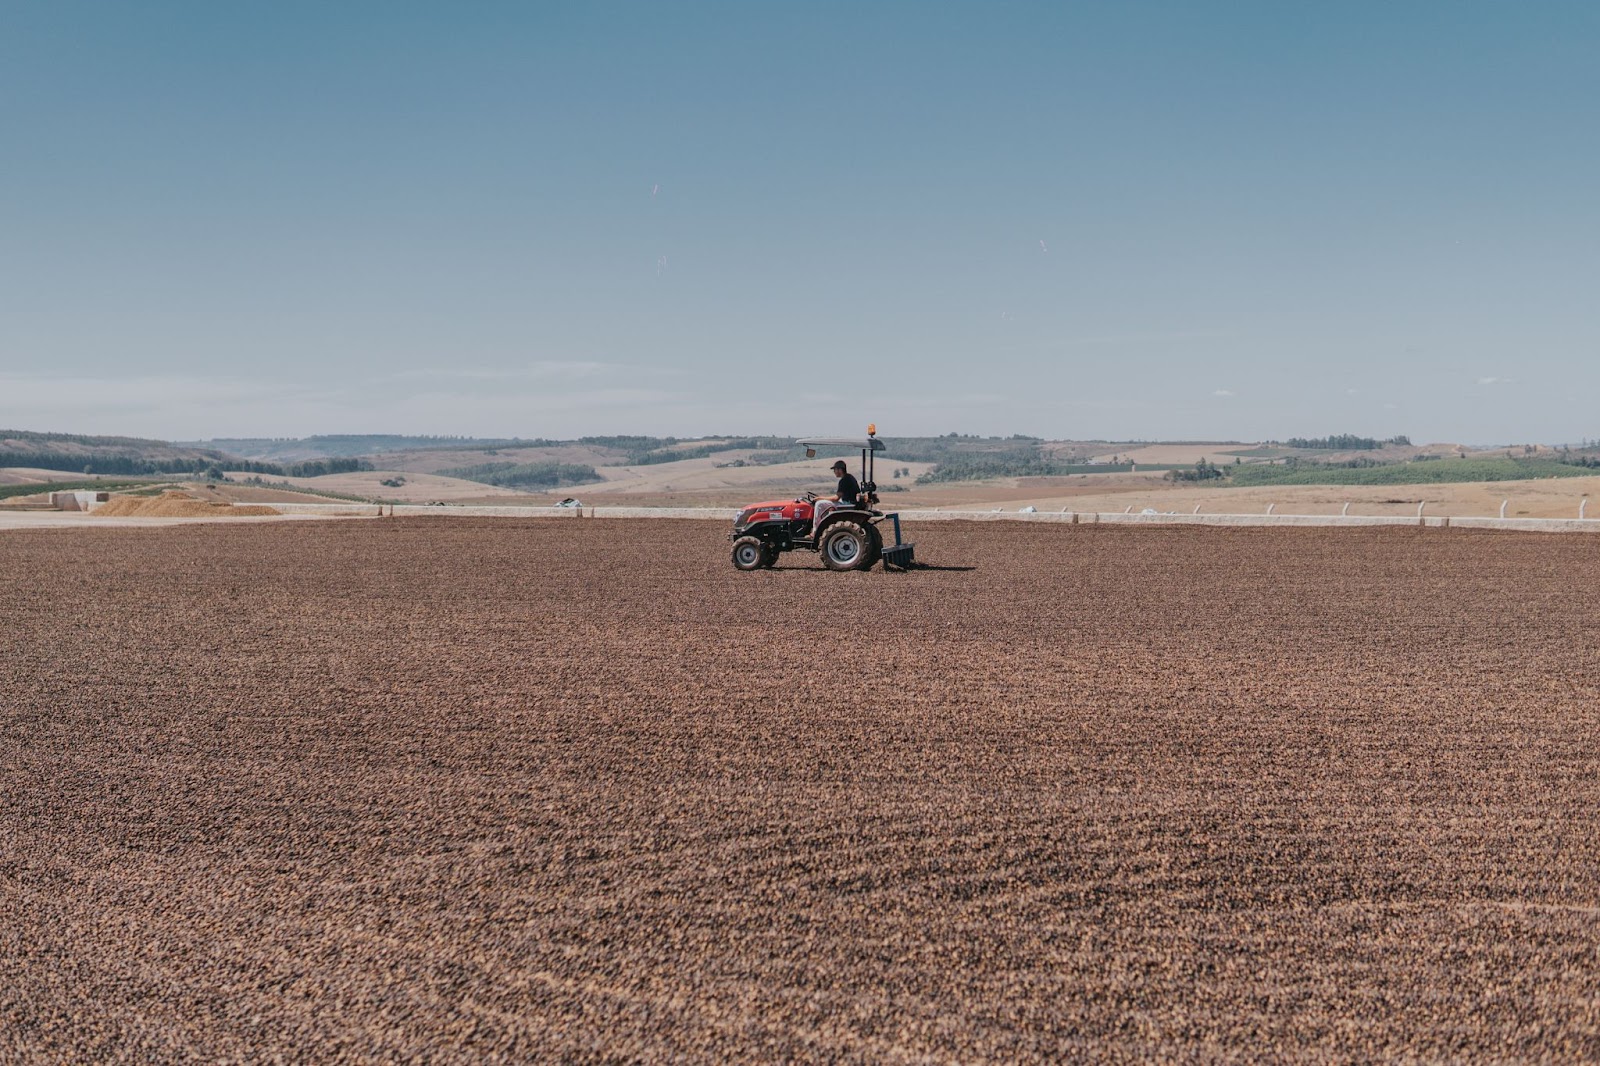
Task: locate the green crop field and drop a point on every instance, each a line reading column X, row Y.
column 8, row 491
column 526, row 475
column 1427, row 473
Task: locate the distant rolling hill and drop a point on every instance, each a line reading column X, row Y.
column 345, row 445
column 77, row 452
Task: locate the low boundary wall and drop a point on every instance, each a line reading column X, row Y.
column 719, row 514
column 408, row 510
column 451, row 510
column 1547, row 525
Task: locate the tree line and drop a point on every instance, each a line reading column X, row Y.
column 526, row 475
column 1345, row 442
column 211, row 466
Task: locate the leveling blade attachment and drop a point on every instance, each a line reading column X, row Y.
column 901, row 554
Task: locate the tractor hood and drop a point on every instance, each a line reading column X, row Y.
column 787, row 510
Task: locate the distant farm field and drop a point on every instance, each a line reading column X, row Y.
column 1438, row 471
column 468, row 790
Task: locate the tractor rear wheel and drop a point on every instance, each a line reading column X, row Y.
column 874, row 547
column 749, row 553
column 846, row 546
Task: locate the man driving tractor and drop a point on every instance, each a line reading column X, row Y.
column 844, row 496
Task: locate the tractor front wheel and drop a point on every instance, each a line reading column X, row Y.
column 846, row 546
column 749, row 553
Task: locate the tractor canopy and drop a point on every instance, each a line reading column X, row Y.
column 869, row 444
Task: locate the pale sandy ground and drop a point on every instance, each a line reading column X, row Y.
column 1186, row 454
column 684, row 487
column 252, row 494
column 231, row 493
column 1542, row 498
column 433, row 461
column 81, row 520
column 418, row 488
column 19, row 475
column 697, row 475
column 1546, row 498
column 707, row 481
column 704, row 482
column 1222, row 452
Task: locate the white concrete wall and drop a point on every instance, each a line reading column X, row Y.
column 1135, row 519
column 78, row 500
column 369, row 509
column 410, row 510
column 1544, row 525
column 708, row 513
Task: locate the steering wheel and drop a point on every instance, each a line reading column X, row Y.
column 810, row 497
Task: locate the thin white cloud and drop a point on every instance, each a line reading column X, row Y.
column 544, row 370
column 140, row 392
column 499, row 407
column 1490, row 381
column 1141, row 338
column 193, row 408
column 167, row 407
column 1222, row 392
column 945, row 402
column 914, row 401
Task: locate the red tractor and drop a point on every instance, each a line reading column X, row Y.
column 848, row 538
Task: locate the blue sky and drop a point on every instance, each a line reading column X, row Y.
column 1132, row 220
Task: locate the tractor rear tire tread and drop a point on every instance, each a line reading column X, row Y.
column 836, row 555
column 874, row 548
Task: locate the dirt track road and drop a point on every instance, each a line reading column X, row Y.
column 479, row 791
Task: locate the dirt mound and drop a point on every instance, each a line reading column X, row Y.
column 175, row 504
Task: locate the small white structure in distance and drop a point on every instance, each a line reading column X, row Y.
column 78, row 500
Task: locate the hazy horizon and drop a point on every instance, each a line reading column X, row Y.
column 1582, row 442
column 1147, row 221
